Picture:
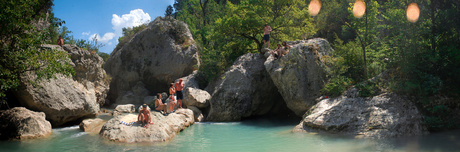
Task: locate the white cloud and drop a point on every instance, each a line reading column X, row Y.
column 104, row 39
column 85, row 33
column 134, row 18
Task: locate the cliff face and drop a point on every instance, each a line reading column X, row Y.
column 150, row 61
column 67, row 99
column 300, row 74
column 244, row 90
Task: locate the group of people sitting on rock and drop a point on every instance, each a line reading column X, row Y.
column 278, row 52
column 175, row 97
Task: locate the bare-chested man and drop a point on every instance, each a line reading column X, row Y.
column 179, row 87
column 267, row 31
column 144, row 116
column 60, row 41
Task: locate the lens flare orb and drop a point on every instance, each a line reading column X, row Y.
column 314, row 7
column 359, row 8
column 413, row 12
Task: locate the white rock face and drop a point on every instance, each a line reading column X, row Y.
column 196, row 97
column 300, row 75
column 62, row 100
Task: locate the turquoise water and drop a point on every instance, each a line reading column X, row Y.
column 251, row 135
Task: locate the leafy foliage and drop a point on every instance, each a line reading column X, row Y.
column 19, row 44
column 336, row 86
column 129, row 33
column 169, row 11
column 229, row 29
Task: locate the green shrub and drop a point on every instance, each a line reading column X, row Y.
column 368, row 89
column 336, row 86
column 438, row 118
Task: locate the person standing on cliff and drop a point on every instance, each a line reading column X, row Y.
column 60, row 41
column 144, row 116
column 267, row 31
column 179, row 87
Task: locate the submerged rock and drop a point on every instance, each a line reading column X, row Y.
column 21, row 123
column 164, row 128
column 385, row 115
column 92, row 125
column 151, row 60
column 300, row 75
column 244, row 90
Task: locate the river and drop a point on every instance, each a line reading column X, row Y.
column 260, row 134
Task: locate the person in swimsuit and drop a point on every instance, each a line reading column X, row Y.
column 267, row 31
column 144, row 116
column 179, row 87
column 172, row 98
column 276, row 53
column 159, row 105
column 286, row 48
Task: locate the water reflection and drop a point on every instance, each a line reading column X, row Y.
column 250, row 135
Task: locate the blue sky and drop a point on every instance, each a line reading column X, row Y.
column 106, row 18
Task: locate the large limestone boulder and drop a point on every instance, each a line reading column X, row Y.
column 66, row 99
column 88, row 70
column 300, row 75
column 196, row 97
column 385, row 115
column 164, row 128
column 161, row 53
column 244, row 90
column 62, row 99
column 21, row 123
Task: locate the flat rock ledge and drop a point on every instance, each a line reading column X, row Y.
column 382, row 116
column 164, row 128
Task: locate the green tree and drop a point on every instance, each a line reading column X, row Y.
column 243, row 23
column 169, row 10
column 365, row 28
column 20, row 41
